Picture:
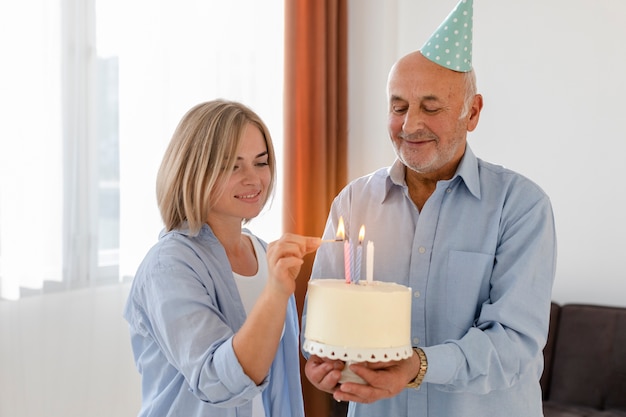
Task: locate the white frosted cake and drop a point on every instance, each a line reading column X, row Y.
column 362, row 322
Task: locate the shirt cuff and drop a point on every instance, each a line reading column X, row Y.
column 441, row 369
column 231, row 373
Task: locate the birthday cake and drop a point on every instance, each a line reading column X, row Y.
column 368, row 321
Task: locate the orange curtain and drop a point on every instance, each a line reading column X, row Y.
column 315, row 130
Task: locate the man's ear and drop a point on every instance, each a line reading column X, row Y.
column 474, row 112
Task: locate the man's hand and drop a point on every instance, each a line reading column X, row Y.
column 324, row 373
column 384, row 380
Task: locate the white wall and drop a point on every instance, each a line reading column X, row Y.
column 67, row 355
column 552, row 77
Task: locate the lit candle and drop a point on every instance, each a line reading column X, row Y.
column 359, row 255
column 370, row 261
column 341, row 230
column 341, row 235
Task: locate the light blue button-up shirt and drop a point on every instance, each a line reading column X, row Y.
column 183, row 310
column 480, row 260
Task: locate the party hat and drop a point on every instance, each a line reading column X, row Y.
column 451, row 44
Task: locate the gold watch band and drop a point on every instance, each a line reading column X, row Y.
column 419, row 378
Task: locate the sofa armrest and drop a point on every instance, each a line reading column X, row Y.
column 589, row 357
column 548, row 350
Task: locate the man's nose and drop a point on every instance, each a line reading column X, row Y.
column 413, row 120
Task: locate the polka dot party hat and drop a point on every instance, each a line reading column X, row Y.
column 451, row 44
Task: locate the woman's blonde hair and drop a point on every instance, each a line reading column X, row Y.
column 199, row 159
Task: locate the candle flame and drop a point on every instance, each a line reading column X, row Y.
column 361, row 234
column 341, row 230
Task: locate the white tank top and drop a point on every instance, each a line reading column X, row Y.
column 249, row 290
column 250, row 287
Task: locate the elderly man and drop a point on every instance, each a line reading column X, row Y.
column 475, row 242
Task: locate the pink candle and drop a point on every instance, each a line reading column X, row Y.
column 346, row 260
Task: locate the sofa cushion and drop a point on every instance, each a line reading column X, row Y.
column 589, row 362
column 555, row 409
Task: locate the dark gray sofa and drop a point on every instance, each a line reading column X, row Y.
column 585, row 362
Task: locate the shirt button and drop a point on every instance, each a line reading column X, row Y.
column 421, row 249
column 416, row 294
column 416, row 341
column 448, row 190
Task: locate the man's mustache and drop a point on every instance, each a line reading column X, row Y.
column 418, row 136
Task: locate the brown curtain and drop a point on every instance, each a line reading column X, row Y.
column 315, row 130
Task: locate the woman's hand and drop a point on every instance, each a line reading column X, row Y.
column 284, row 259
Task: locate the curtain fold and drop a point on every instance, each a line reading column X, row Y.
column 315, row 131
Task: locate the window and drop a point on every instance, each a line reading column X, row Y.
column 90, row 100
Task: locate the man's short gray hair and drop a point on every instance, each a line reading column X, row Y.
column 469, row 82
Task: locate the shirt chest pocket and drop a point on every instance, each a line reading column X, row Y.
column 467, row 286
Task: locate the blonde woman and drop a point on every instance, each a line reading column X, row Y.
column 212, row 315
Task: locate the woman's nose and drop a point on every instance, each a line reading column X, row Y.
column 250, row 176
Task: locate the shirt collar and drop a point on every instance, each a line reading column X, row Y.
column 395, row 178
column 467, row 171
column 205, row 232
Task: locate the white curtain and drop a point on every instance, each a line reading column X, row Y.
column 31, row 177
column 172, row 54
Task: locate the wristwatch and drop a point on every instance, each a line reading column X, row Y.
column 422, row 371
